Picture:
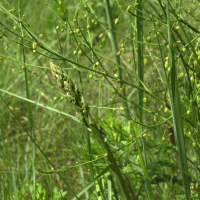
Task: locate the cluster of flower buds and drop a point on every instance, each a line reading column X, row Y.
column 73, row 93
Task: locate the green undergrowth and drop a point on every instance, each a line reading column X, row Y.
column 99, row 99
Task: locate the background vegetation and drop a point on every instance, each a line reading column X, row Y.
column 99, row 99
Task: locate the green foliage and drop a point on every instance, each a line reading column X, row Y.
column 99, row 99
column 117, row 131
column 41, row 194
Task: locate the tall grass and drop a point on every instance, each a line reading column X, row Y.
column 99, row 100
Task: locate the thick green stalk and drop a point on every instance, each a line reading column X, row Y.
column 115, row 50
column 30, row 113
column 140, row 57
column 176, row 111
column 31, row 123
column 27, row 146
column 110, row 160
column 139, row 22
column 145, row 171
column 194, row 110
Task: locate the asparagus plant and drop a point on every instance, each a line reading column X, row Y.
column 74, row 95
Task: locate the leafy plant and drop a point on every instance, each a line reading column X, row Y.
column 100, row 100
column 41, row 194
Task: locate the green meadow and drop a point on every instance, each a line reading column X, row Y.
column 99, row 100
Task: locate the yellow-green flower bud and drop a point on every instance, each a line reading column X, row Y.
column 34, row 45
column 41, row 36
column 91, row 76
column 130, row 137
column 122, row 108
column 166, row 110
column 117, row 21
column 194, row 144
column 145, row 62
column 192, row 79
column 163, row 139
column 128, row 8
column 182, row 75
column 166, row 64
column 78, row 31
column 149, row 39
column 112, row 100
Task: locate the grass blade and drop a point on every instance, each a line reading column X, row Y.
column 176, row 111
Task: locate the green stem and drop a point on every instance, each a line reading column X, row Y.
column 139, row 22
column 30, row 113
column 176, row 111
column 31, row 123
column 109, row 158
column 115, row 50
column 140, row 57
